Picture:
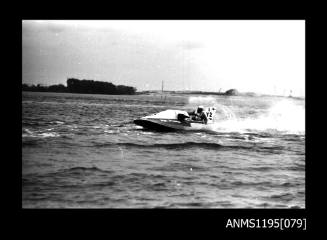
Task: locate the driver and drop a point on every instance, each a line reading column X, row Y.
column 199, row 114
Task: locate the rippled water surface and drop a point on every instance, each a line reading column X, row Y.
column 83, row 150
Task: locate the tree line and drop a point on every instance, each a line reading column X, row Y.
column 82, row 86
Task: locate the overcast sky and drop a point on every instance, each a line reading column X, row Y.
column 257, row 56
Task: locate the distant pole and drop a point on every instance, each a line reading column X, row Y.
column 183, row 73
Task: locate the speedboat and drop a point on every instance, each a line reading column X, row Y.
column 172, row 120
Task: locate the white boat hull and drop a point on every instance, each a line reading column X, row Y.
column 168, row 121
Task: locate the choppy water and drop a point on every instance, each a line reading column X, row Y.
column 84, row 151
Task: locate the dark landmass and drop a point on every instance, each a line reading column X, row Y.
column 83, row 86
column 231, row 92
column 40, row 88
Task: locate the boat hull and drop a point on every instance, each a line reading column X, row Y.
column 167, row 124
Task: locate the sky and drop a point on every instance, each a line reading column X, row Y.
column 262, row 56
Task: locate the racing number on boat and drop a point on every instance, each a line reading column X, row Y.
column 209, row 115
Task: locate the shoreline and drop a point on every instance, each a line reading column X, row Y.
column 159, row 93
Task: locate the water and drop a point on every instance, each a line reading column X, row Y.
column 83, row 151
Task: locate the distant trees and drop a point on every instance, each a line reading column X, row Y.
column 90, row 86
column 82, row 86
column 231, row 92
column 121, row 89
column 57, row 88
column 25, row 87
column 40, row 88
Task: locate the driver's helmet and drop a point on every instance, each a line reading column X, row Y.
column 200, row 109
